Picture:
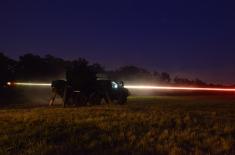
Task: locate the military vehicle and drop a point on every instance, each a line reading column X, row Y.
column 82, row 87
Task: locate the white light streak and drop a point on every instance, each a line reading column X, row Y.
column 32, row 84
column 143, row 87
column 137, row 87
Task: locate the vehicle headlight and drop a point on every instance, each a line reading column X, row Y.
column 114, row 85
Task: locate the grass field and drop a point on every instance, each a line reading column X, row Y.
column 146, row 125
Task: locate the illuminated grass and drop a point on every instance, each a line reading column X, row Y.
column 146, row 125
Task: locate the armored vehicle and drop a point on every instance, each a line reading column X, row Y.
column 83, row 87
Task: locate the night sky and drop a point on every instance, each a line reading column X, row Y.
column 190, row 38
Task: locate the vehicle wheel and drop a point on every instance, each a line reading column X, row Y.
column 65, row 97
column 82, row 100
column 122, row 100
column 95, row 99
column 68, row 96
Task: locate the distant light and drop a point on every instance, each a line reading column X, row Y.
column 8, row 83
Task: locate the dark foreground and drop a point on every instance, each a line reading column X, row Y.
column 146, row 125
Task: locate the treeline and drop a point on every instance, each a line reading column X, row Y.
column 30, row 67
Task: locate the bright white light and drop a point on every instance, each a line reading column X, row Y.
column 114, row 85
column 32, row 84
column 138, row 87
column 8, row 83
column 177, row 88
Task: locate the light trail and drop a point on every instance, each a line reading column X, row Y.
column 28, row 84
column 137, row 87
column 142, row 87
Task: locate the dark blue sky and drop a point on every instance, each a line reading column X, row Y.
column 190, row 38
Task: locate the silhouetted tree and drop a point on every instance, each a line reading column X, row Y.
column 156, row 74
column 132, row 73
column 199, row 82
column 165, row 77
column 185, row 81
column 7, row 68
column 31, row 67
column 55, row 66
column 97, row 68
column 34, row 67
column 182, row 81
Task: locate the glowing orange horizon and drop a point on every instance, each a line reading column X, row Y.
column 138, row 87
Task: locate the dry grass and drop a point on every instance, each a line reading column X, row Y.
column 146, row 125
